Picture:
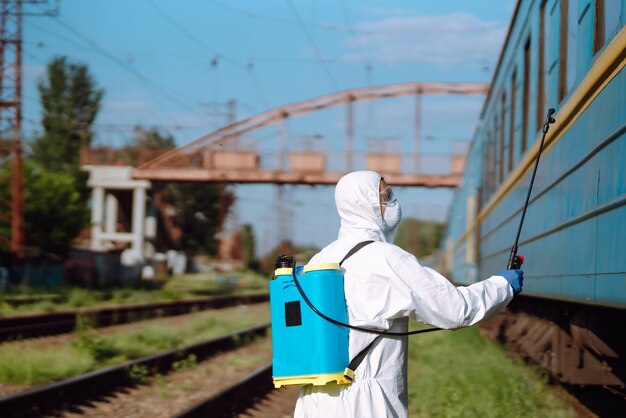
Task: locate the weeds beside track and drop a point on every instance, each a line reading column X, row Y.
column 36, row 325
column 37, row 401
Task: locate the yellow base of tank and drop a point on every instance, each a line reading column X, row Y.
column 344, row 378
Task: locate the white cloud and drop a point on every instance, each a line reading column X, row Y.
column 447, row 40
column 380, row 11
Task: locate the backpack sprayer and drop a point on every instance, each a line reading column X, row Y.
column 311, row 347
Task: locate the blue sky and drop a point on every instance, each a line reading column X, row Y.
column 174, row 64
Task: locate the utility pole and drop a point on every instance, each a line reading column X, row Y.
column 11, row 14
column 349, row 133
column 417, row 131
column 231, row 111
column 231, row 117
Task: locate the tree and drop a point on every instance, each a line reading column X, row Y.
column 268, row 260
column 201, row 209
column 248, row 243
column 55, row 191
column 302, row 255
column 70, row 101
column 54, row 211
column 418, row 237
column 151, row 140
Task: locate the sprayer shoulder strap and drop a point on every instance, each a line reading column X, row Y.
column 356, row 361
column 355, row 249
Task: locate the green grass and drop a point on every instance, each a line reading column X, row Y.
column 188, row 285
column 461, row 374
column 21, row 364
column 128, row 296
column 243, row 282
column 73, row 297
column 27, row 366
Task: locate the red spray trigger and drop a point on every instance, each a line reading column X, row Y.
column 519, row 260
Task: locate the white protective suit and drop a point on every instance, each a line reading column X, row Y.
column 384, row 286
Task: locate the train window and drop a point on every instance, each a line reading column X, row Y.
column 488, row 163
column 525, row 94
column 584, row 43
column 552, row 55
column 512, row 121
column 486, row 166
column 541, row 105
column 494, row 160
column 563, row 49
column 496, row 147
column 598, row 26
column 502, row 135
column 572, row 45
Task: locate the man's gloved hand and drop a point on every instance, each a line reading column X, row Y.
column 515, row 279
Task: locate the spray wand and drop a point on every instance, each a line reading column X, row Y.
column 516, row 261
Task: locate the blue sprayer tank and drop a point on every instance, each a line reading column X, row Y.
column 308, row 349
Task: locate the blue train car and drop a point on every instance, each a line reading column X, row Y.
column 570, row 55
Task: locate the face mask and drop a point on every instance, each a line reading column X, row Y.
column 392, row 216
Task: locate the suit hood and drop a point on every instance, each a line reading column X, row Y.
column 358, row 203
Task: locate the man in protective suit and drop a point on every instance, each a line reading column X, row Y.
column 384, row 286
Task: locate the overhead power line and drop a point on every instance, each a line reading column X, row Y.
column 219, row 56
column 329, row 74
column 349, row 29
column 364, row 51
column 94, row 49
column 276, row 18
column 59, row 36
column 193, row 37
column 125, row 66
column 250, row 67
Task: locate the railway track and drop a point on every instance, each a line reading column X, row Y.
column 62, row 395
column 107, row 393
column 37, row 325
column 253, row 396
column 19, row 301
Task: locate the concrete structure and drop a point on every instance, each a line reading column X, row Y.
column 385, row 164
column 307, row 161
column 104, row 210
column 231, row 160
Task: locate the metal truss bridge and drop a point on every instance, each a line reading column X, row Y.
column 217, row 156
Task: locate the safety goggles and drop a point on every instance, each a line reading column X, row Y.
column 386, row 195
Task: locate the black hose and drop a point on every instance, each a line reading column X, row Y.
column 354, row 327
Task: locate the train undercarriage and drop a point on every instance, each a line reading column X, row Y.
column 577, row 344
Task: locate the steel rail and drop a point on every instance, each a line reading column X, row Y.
column 36, row 325
column 17, row 301
column 234, row 399
column 38, row 401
